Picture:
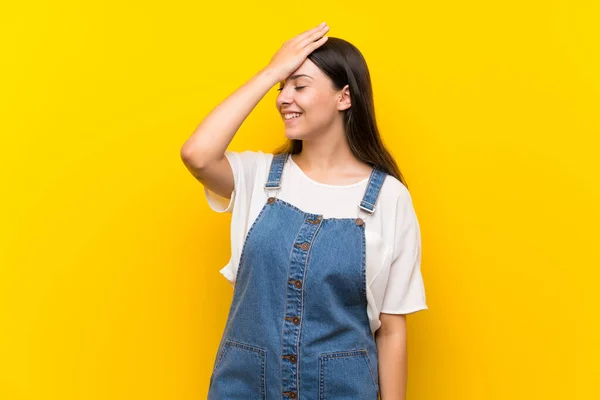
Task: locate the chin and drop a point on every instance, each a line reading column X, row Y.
column 293, row 135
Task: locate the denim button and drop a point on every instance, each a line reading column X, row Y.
column 291, row 357
column 314, row 221
column 244, row 366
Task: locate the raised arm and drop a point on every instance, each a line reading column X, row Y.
column 203, row 153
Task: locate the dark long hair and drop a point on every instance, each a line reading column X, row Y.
column 345, row 65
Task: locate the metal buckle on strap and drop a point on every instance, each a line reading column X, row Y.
column 366, row 209
column 276, row 189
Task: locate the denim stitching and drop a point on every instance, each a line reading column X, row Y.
column 323, row 357
column 259, row 352
column 219, row 358
column 321, row 378
column 306, row 262
column 374, row 377
column 375, row 183
column 283, row 325
column 306, row 213
column 363, row 266
column 243, row 253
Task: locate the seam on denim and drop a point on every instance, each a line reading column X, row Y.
column 290, row 205
column 257, row 351
column 219, row 357
column 369, row 365
column 306, row 262
column 363, row 266
column 243, row 252
column 284, row 308
column 324, row 357
column 321, row 378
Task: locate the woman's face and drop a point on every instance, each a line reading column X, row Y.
column 309, row 92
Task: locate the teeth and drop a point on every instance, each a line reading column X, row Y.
column 292, row 115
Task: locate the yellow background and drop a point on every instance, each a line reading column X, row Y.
column 109, row 253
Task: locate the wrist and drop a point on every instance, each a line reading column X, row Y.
column 270, row 75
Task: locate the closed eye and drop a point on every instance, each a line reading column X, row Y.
column 297, row 88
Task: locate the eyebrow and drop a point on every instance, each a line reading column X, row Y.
column 298, row 76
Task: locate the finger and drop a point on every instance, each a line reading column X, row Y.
column 312, row 30
column 312, row 46
column 314, row 36
column 305, row 34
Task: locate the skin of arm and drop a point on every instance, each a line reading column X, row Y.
column 392, row 356
column 212, row 136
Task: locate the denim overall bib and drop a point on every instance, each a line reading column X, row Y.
column 298, row 326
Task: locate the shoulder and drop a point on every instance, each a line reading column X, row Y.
column 394, row 192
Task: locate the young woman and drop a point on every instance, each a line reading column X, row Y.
column 326, row 246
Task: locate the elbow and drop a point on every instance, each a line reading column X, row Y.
column 191, row 156
column 186, row 152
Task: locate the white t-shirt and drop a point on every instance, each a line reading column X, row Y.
column 393, row 237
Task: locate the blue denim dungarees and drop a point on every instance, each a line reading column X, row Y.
column 298, row 325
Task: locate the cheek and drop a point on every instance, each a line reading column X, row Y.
column 316, row 103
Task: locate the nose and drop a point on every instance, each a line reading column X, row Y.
column 285, row 97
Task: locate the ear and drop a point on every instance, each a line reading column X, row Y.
column 344, row 101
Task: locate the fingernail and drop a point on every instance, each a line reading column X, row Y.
column 322, row 24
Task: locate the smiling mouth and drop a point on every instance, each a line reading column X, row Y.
column 291, row 116
column 286, row 120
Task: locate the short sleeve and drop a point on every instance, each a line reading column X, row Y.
column 405, row 292
column 243, row 166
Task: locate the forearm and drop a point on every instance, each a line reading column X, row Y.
column 392, row 355
column 213, row 135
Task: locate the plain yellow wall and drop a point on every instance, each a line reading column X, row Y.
column 109, row 253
